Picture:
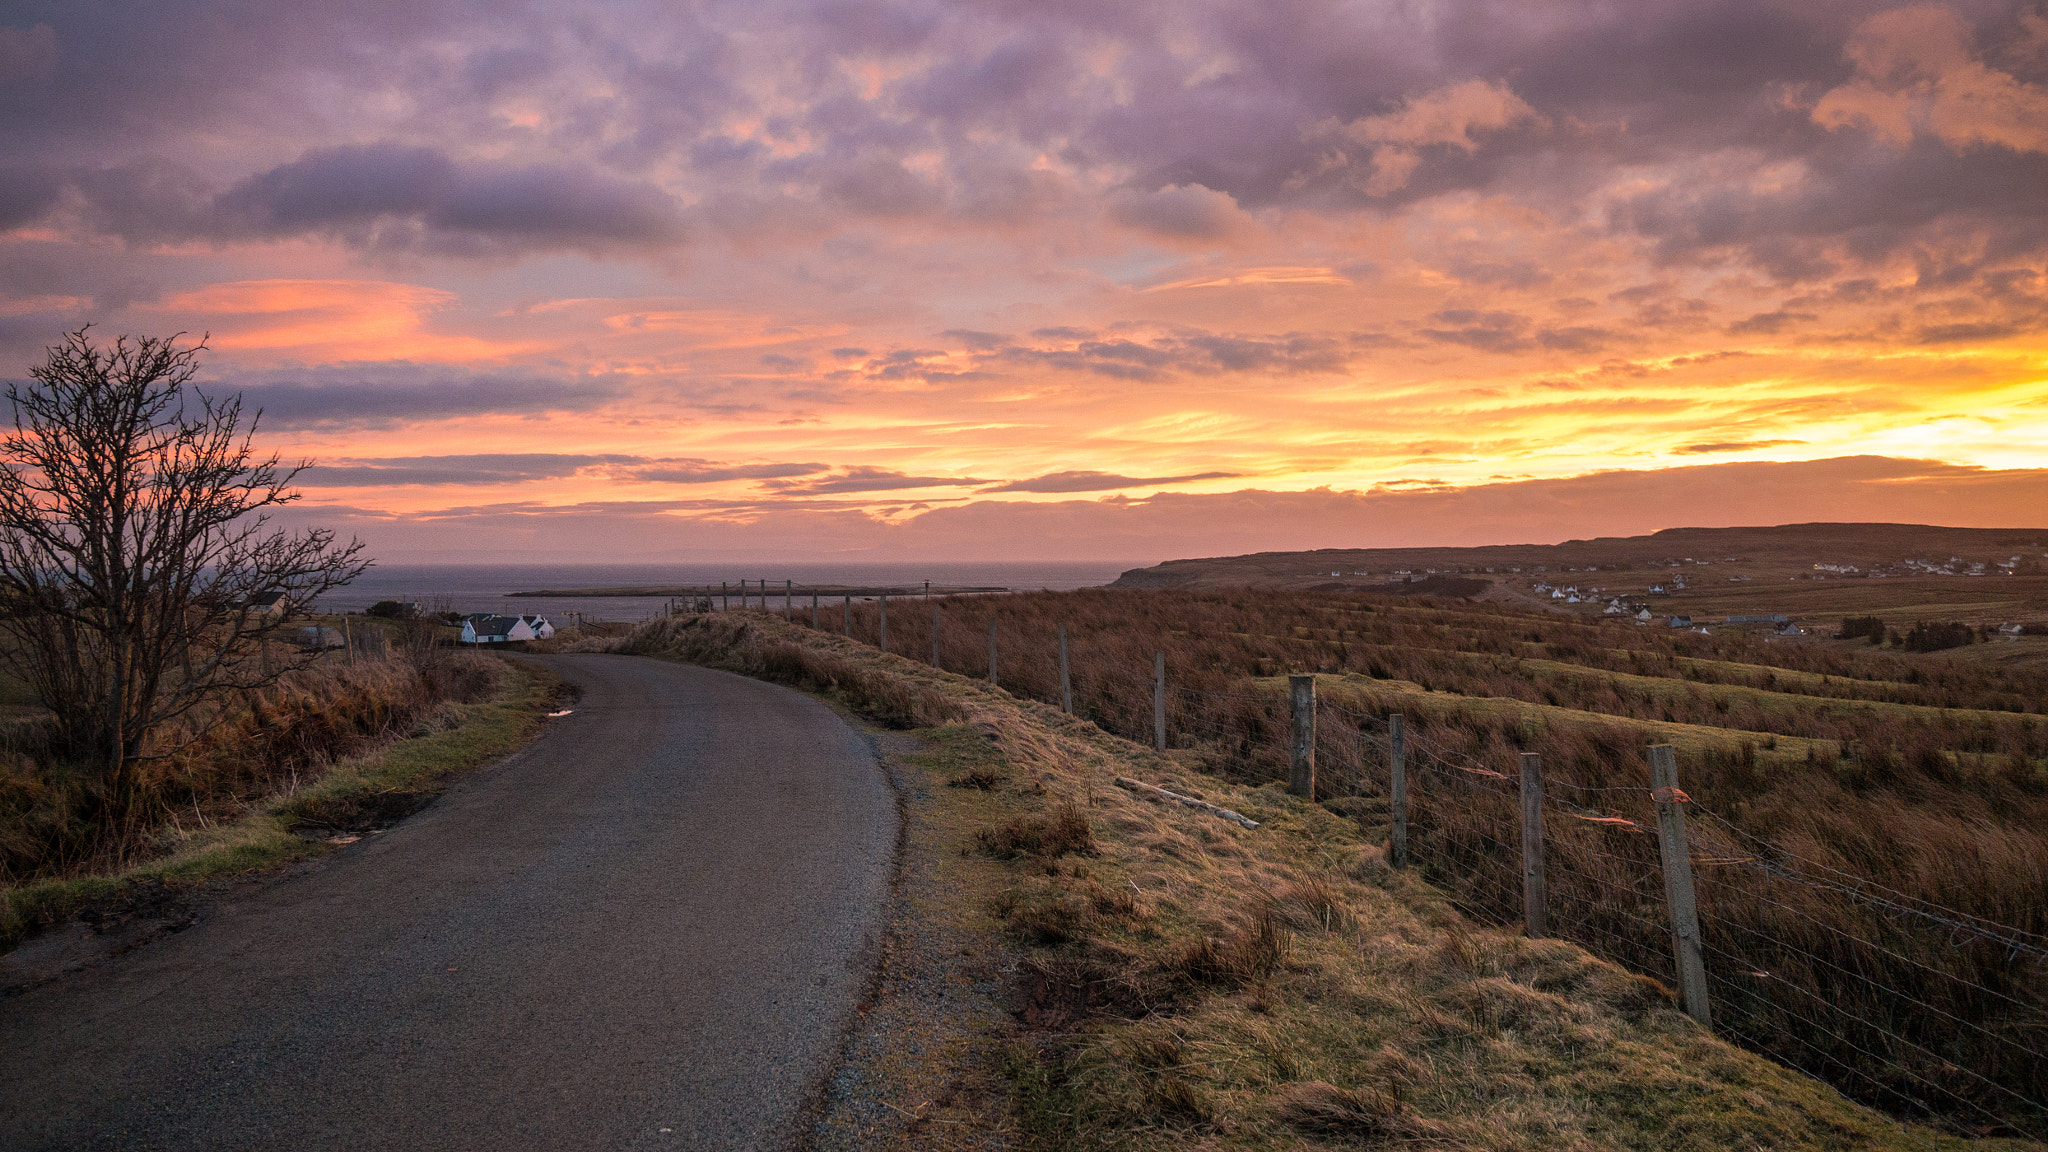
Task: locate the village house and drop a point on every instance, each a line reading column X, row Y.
column 2012, row 631
column 485, row 628
column 268, row 604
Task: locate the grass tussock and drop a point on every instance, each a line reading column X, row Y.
column 1063, row 831
column 1195, row 983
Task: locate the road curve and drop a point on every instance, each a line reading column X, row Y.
column 647, row 930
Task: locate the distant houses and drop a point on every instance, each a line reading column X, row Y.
column 268, row 604
column 487, row 628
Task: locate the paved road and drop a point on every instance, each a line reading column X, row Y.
column 645, row 931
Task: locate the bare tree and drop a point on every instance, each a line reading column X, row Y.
column 139, row 576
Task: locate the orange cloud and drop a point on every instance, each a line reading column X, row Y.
column 1915, row 75
column 330, row 319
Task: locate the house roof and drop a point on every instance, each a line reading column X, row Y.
column 494, row 625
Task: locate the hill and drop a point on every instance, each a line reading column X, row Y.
column 1810, row 571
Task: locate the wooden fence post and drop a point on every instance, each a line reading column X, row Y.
column 1159, row 701
column 846, row 615
column 1397, row 777
column 1301, row 767
column 992, row 651
column 935, row 637
column 1677, row 860
column 883, row 629
column 1066, row 685
column 788, row 593
column 1535, row 914
column 724, row 596
column 814, row 609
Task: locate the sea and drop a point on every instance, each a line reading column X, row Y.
column 487, row 587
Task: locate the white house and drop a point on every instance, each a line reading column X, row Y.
column 483, row 628
column 268, row 604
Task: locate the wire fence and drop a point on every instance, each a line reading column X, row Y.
column 1921, row 1009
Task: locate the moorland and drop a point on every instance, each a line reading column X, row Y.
column 1923, row 774
column 1811, row 572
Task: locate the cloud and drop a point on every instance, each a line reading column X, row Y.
column 521, row 467
column 474, row 468
column 1734, row 446
column 865, row 479
column 1768, row 323
column 26, row 194
column 1170, row 525
column 1083, row 481
column 1187, row 351
column 689, row 471
column 28, row 56
column 1915, row 76
column 1180, row 212
column 387, row 396
column 387, row 197
column 1448, row 116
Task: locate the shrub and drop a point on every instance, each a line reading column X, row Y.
column 1926, row 637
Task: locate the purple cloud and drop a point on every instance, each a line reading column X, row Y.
column 1083, row 481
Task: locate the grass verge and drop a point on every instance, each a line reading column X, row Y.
column 353, row 796
column 1168, row 979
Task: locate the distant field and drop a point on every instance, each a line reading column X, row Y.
column 1978, row 600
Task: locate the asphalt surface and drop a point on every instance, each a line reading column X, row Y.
column 647, row 930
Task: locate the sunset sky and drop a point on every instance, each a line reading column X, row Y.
column 1133, row 280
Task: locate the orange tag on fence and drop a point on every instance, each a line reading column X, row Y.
column 1670, row 796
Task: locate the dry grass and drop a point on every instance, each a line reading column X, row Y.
column 249, row 749
column 353, row 794
column 1927, row 774
column 733, row 642
column 1065, row 830
column 1196, row 984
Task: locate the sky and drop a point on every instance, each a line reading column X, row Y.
column 1059, row 280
